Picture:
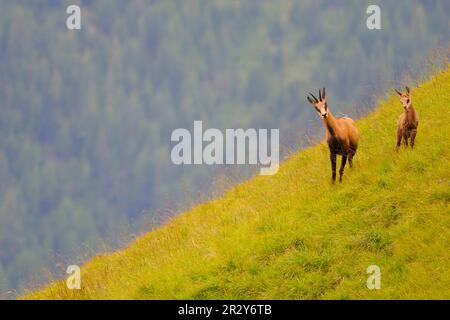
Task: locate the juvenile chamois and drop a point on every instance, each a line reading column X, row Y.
column 342, row 134
column 408, row 120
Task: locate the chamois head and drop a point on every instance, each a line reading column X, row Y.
column 319, row 104
column 405, row 98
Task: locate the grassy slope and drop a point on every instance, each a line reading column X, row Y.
column 294, row 236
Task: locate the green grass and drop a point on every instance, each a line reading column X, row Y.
column 295, row 236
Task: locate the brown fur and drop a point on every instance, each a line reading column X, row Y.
column 408, row 121
column 342, row 135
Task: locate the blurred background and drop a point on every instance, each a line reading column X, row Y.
column 86, row 116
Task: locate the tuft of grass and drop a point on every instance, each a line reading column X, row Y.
column 295, row 236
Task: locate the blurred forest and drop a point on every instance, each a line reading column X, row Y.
column 86, row 116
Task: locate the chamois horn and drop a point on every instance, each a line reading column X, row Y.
column 315, row 99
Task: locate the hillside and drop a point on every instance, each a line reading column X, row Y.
column 295, row 236
column 86, row 116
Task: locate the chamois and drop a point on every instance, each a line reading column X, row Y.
column 408, row 121
column 342, row 134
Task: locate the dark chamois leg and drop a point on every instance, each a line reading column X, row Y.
column 405, row 139
column 413, row 137
column 399, row 139
column 350, row 156
column 341, row 171
column 333, row 167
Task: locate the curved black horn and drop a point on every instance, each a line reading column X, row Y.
column 315, row 99
column 320, row 95
column 407, row 89
column 323, row 93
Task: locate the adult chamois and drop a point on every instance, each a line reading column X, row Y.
column 408, row 121
column 342, row 134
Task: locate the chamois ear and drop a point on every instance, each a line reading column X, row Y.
column 398, row 92
column 323, row 93
column 407, row 89
column 310, row 100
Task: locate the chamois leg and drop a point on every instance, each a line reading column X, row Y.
column 399, row 139
column 341, row 171
column 333, row 167
column 350, row 157
column 405, row 139
column 413, row 137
